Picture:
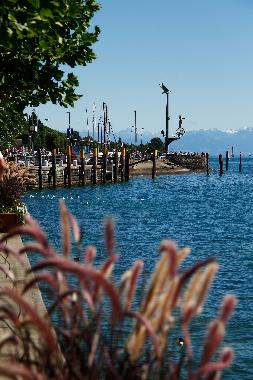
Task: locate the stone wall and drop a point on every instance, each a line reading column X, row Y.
column 189, row 161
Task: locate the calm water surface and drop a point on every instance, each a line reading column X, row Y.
column 213, row 215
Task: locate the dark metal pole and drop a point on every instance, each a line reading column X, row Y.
column 123, row 158
column 135, row 129
column 116, row 165
column 104, row 122
column 167, row 124
column 82, row 167
column 240, row 163
column 69, row 134
column 226, row 160
column 40, row 168
column 167, row 115
column 69, row 130
column 94, row 165
column 69, row 165
column 101, row 137
column 93, row 121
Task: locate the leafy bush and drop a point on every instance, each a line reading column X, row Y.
column 98, row 329
column 13, row 184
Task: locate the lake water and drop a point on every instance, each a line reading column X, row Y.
column 212, row 215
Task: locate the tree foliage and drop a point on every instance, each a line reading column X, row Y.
column 43, row 136
column 49, row 139
column 12, row 123
column 156, row 143
column 38, row 37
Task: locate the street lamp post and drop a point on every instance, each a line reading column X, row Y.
column 33, row 128
column 135, row 129
column 93, row 122
column 166, row 91
column 69, row 131
column 132, row 130
column 105, row 121
column 69, row 118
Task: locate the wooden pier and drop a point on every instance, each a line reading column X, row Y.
column 75, row 172
column 55, row 172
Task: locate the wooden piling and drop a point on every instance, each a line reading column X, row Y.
column 227, row 160
column 104, row 162
column 240, row 163
column 154, row 163
column 69, row 164
column 65, row 176
column 82, row 168
column 49, row 177
column 94, row 166
column 115, row 165
column 127, row 166
column 207, row 164
column 40, row 169
column 122, row 159
column 221, row 164
column 54, row 175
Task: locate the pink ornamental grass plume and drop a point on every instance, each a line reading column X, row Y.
column 97, row 328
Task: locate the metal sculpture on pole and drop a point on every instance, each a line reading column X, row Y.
column 180, row 131
column 166, row 91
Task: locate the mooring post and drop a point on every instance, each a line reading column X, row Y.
column 207, row 164
column 94, row 166
column 65, row 176
column 127, row 166
column 154, row 163
column 227, row 160
column 69, row 164
column 54, row 168
column 82, row 167
column 104, row 164
column 40, row 169
column 116, row 165
column 123, row 158
column 240, row 163
column 221, row 164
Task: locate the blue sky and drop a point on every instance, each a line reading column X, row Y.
column 201, row 49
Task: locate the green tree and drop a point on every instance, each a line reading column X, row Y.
column 49, row 139
column 156, row 143
column 38, row 37
column 12, row 123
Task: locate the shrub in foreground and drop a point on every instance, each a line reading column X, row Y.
column 14, row 180
column 95, row 328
